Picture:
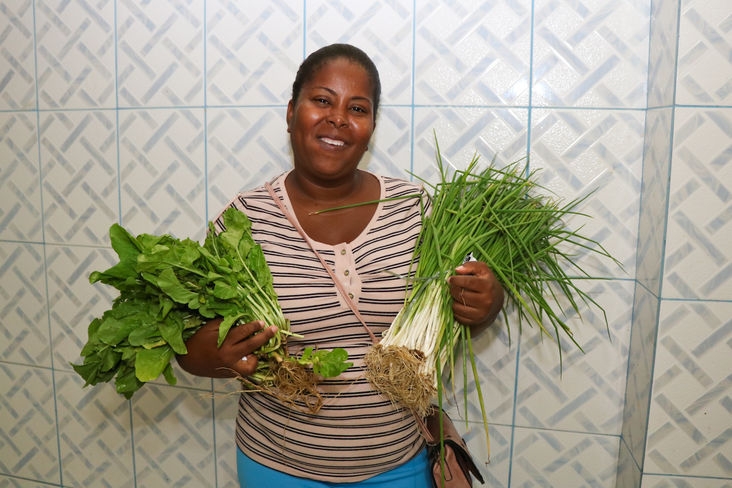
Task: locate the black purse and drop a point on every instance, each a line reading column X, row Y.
column 454, row 468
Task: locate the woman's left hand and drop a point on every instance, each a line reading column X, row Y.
column 477, row 295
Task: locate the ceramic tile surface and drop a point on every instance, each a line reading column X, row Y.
column 17, row 89
column 689, row 431
column 75, row 54
column 699, row 226
column 595, row 155
column 162, row 172
column 23, row 308
column 79, row 176
column 582, row 391
column 554, row 458
column 160, row 48
column 154, row 114
column 29, row 436
column 704, row 69
column 473, row 53
column 20, row 212
column 590, row 54
column 252, row 50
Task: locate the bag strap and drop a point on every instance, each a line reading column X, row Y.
column 429, row 437
column 330, row 272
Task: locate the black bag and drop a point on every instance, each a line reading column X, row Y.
column 456, row 470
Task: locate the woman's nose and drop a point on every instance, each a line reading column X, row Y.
column 337, row 117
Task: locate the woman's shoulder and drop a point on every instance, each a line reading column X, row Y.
column 395, row 186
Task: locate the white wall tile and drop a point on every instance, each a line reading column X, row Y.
column 697, row 255
column 79, row 175
column 590, row 54
column 160, row 49
column 30, row 439
column 705, row 39
column 17, row 85
column 162, row 171
column 689, row 431
column 23, row 307
column 253, row 49
column 75, row 54
column 473, row 53
column 20, row 184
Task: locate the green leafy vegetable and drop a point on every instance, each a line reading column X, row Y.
column 168, row 288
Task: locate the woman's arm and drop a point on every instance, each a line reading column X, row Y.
column 204, row 358
column 477, row 296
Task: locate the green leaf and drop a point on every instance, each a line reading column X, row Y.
column 150, row 363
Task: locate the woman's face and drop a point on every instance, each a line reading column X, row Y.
column 331, row 122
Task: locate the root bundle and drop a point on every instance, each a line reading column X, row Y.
column 399, row 373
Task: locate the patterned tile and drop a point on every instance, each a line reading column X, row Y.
column 11, row 482
column 662, row 481
column 162, row 175
column 24, row 323
column 662, row 53
column 495, row 358
column 598, row 152
column 390, row 149
column 585, row 392
column 642, row 352
column 73, row 302
column 253, row 50
column 697, row 263
column 590, row 54
column 225, row 409
column 76, row 54
column 462, row 132
column 79, row 176
column 495, row 470
column 160, row 49
column 471, row 53
column 553, row 458
column 245, row 148
column 17, row 82
column 704, row 67
column 28, row 437
column 654, row 198
column 173, row 432
column 382, row 29
column 20, row 189
column 629, row 473
column 689, row 431
column 94, row 434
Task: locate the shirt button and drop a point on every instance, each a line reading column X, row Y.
column 346, row 272
column 350, row 295
column 343, row 252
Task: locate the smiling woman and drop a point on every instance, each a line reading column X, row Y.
column 321, row 262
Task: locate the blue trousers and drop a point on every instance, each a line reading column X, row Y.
column 412, row 474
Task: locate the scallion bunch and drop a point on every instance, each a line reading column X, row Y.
column 504, row 218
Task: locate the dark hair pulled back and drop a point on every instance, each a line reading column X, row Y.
column 318, row 58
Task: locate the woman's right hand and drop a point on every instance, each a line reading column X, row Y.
column 234, row 357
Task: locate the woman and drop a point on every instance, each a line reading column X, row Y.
column 358, row 438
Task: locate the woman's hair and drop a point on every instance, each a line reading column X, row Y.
column 318, row 58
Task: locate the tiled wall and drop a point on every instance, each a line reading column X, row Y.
column 153, row 114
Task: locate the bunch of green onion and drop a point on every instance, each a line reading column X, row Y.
column 504, row 218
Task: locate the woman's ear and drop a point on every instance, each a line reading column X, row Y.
column 288, row 118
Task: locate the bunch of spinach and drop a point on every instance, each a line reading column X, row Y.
column 168, row 288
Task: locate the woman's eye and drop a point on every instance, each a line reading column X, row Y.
column 321, row 100
column 358, row 109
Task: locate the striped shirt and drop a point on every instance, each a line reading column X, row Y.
column 357, row 433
